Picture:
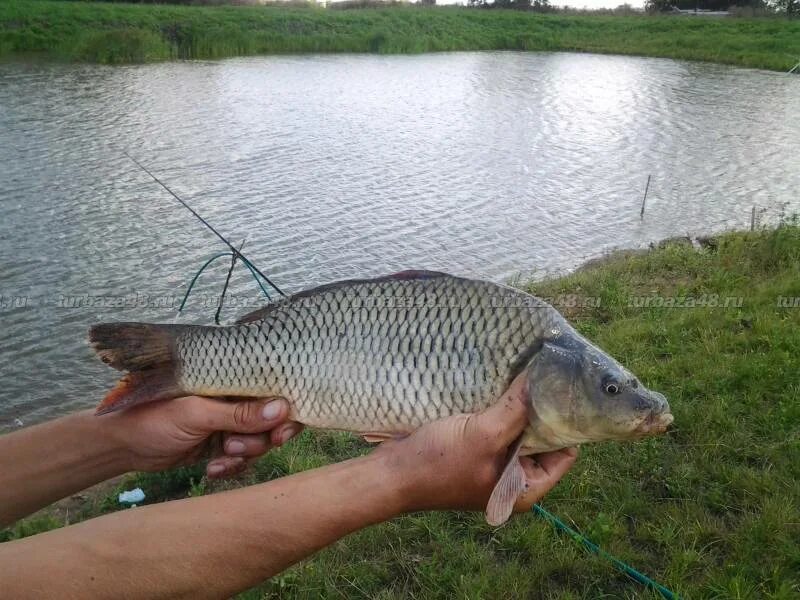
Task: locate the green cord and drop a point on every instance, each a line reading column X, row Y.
column 194, row 279
column 211, row 260
column 592, row 547
column 254, row 273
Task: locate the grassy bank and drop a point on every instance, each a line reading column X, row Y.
column 711, row 510
column 118, row 33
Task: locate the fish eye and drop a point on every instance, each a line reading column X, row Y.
column 611, row 388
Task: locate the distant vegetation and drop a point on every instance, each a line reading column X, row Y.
column 711, row 510
column 738, row 7
column 122, row 33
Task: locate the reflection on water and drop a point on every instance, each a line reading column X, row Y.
column 486, row 164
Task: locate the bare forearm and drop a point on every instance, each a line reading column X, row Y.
column 211, row 546
column 44, row 463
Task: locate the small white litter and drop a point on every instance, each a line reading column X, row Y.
column 131, row 496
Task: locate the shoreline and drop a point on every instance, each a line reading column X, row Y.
column 111, row 33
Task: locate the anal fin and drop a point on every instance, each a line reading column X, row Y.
column 509, row 487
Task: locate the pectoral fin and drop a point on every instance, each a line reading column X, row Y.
column 509, row 487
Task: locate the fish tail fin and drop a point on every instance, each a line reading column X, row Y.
column 138, row 388
column 147, row 352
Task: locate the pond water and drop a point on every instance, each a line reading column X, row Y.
column 496, row 164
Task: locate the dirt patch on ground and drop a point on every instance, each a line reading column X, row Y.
column 78, row 506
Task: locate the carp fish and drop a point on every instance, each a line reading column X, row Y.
column 383, row 356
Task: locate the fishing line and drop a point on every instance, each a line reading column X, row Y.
column 595, row 549
column 203, row 268
column 227, row 282
column 236, row 252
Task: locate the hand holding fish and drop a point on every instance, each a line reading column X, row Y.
column 163, row 435
column 455, row 463
column 49, row 461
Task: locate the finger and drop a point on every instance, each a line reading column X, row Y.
column 535, row 489
column 555, row 464
column 507, row 417
column 225, row 466
column 241, row 444
column 245, row 416
column 282, row 434
column 542, row 473
column 538, row 484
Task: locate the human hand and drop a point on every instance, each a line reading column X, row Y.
column 161, row 435
column 454, row 463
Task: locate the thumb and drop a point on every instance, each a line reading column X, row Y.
column 506, row 418
column 241, row 416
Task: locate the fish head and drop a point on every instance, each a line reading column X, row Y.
column 578, row 394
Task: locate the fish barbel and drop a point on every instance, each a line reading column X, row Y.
column 383, row 356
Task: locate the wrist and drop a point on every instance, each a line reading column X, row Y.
column 405, row 479
column 104, row 444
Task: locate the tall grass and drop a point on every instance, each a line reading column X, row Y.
column 711, row 510
column 116, row 33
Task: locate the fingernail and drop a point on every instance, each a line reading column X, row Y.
column 235, row 447
column 215, row 469
column 272, row 410
column 288, row 433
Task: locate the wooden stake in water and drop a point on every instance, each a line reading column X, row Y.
column 753, row 219
column 644, row 200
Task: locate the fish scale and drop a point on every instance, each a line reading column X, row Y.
column 374, row 355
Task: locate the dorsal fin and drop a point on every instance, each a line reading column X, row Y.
column 256, row 315
column 410, row 274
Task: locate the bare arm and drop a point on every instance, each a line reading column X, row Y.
column 44, row 463
column 217, row 545
column 212, row 546
column 50, row 461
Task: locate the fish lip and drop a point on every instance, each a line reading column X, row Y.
column 655, row 423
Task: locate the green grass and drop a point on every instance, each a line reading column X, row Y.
column 119, row 33
column 711, row 510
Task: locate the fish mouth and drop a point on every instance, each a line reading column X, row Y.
column 654, row 423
